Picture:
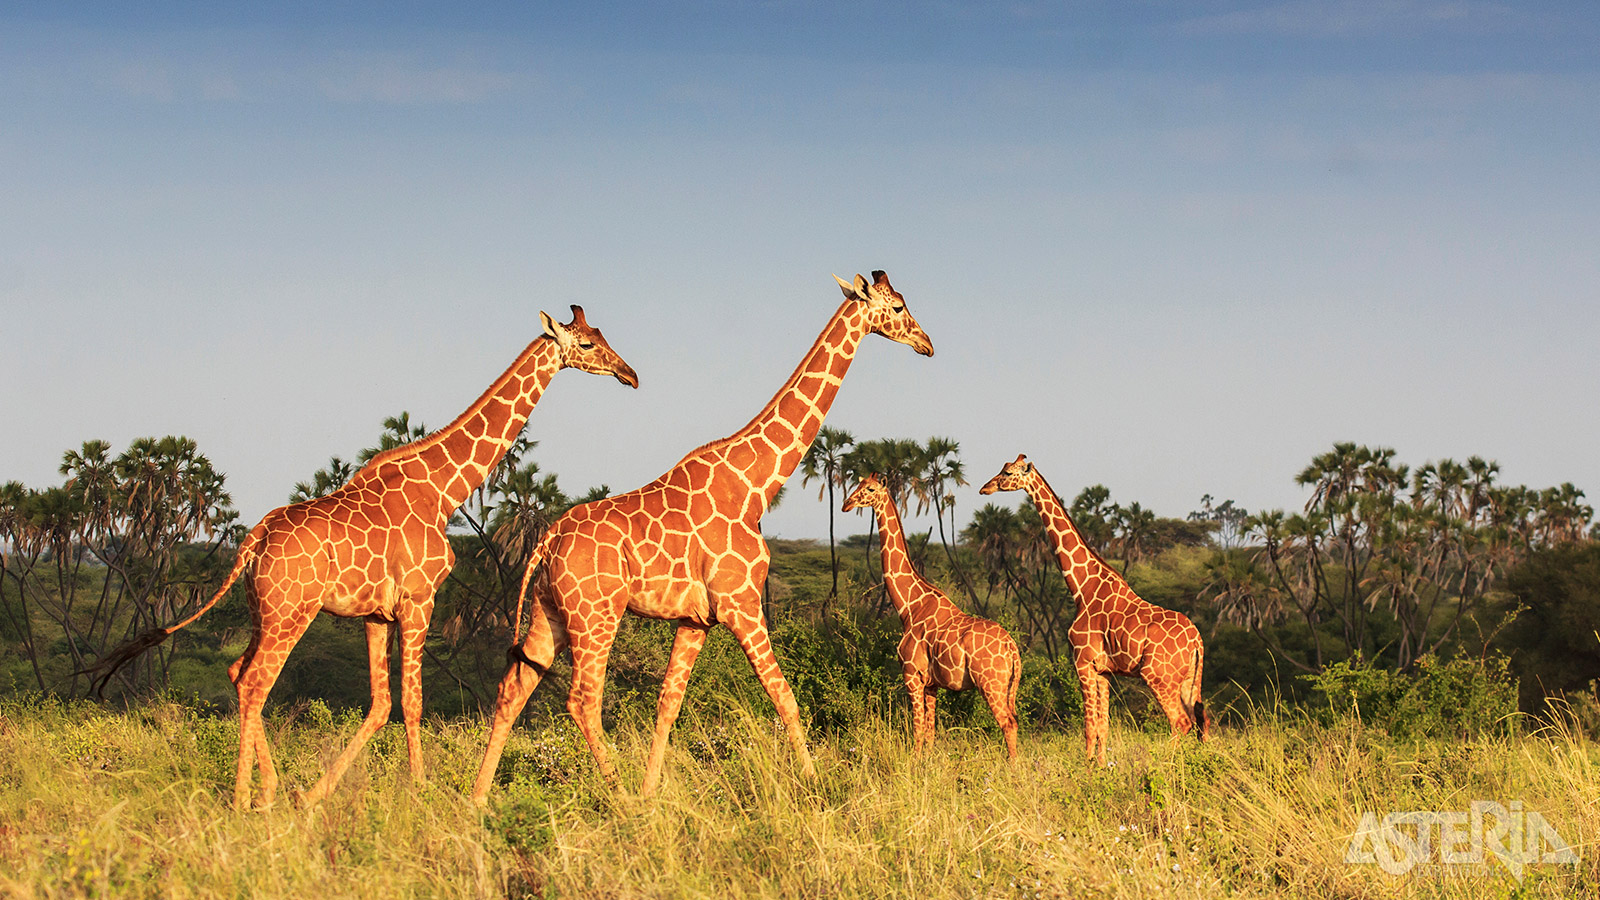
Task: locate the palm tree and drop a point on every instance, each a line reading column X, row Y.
column 897, row 461
column 324, row 481
column 1136, row 523
column 824, row 460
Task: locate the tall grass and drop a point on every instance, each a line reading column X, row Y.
column 131, row 804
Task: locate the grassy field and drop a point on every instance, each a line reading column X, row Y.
column 96, row 803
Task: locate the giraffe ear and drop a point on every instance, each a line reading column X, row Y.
column 551, row 326
column 856, row 290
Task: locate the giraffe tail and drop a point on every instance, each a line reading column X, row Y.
column 1015, row 682
column 540, row 551
column 108, row 665
column 1191, row 695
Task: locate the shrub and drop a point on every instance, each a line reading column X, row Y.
column 1457, row 697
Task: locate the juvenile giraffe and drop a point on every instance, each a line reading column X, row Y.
column 1115, row 631
column 376, row 549
column 688, row 547
column 942, row 647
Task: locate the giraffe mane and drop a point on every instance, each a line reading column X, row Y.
column 439, row 434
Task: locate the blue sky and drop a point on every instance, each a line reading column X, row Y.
column 1174, row 248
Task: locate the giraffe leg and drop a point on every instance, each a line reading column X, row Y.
column 918, row 711
column 1096, row 706
column 685, row 648
column 378, row 632
column 546, row 638
column 590, row 651
column 1103, row 702
column 413, row 634
column 1003, row 707
column 1169, row 694
column 255, row 682
column 930, row 717
column 751, row 633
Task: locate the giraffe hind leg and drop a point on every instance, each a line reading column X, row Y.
column 590, row 652
column 528, row 662
column 1169, row 694
column 255, row 681
column 378, row 633
column 1003, row 706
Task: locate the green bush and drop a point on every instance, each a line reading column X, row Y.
column 1440, row 698
column 1049, row 695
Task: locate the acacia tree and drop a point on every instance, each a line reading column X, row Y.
column 126, row 543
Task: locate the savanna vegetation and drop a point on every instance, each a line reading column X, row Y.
column 1413, row 638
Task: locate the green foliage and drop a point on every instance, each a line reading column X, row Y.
column 523, row 821
column 1049, row 695
column 1553, row 630
column 844, row 672
column 1441, row 698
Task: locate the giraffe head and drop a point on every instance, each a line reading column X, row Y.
column 583, row 347
column 871, row 492
column 886, row 311
column 1014, row 476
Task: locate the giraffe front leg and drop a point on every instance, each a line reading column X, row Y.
column 751, row 633
column 1096, row 707
column 545, row 639
column 930, row 714
column 685, row 649
column 413, row 635
column 1103, row 702
column 918, row 710
column 378, row 633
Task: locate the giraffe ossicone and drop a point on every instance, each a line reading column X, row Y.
column 942, row 646
column 1115, row 632
column 686, row 547
column 376, row 549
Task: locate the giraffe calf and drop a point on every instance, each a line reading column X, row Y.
column 942, row 647
column 1116, row 632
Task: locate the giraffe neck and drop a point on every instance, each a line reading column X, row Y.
column 897, row 570
column 1092, row 579
column 459, row 457
column 772, row 445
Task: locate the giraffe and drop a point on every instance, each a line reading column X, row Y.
column 686, row 547
column 376, row 549
column 1115, row 631
column 942, row 647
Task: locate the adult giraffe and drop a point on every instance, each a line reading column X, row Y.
column 688, row 547
column 941, row 647
column 376, row 549
column 1116, row 632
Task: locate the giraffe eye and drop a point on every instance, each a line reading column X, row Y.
column 587, row 345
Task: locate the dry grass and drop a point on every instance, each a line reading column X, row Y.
column 101, row 804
